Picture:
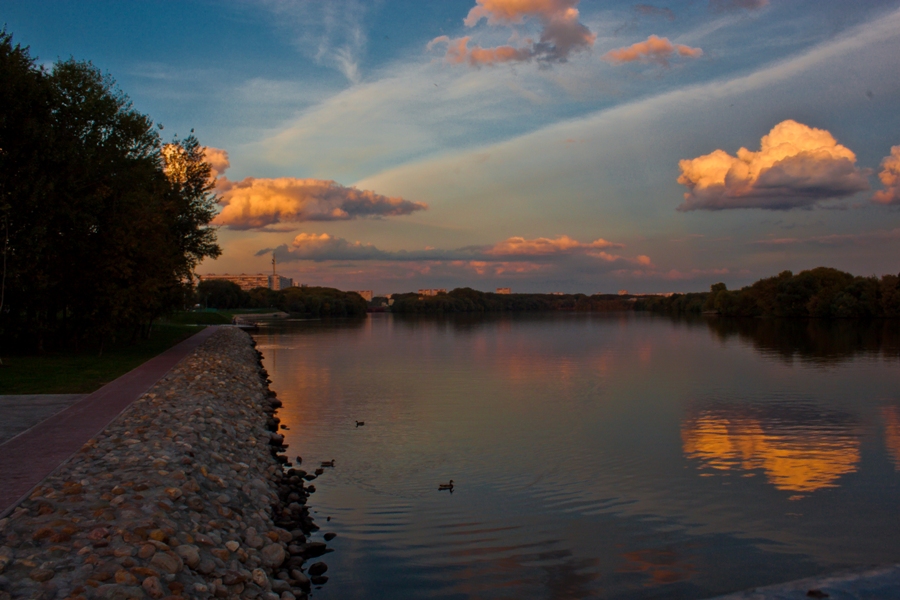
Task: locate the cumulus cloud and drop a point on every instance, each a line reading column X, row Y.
column 890, row 179
column 561, row 32
column 279, row 204
column 652, row 50
column 324, row 247
column 796, row 166
column 259, row 203
column 217, row 160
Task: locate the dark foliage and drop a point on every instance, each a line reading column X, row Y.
column 469, row 300
column 217, row 293
column 97, row 238
column 822, row 292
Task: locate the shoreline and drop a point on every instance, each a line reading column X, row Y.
column 182, row 495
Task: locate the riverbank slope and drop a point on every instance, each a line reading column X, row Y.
column 174, row 499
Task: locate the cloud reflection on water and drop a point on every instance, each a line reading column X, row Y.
column 801, row 454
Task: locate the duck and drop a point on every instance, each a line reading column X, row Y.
column 446, row 486
column 360, row 423
column 328, row 463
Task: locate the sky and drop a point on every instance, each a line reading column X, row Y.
column 543, row 145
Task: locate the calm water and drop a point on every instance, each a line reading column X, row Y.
column 621, row 456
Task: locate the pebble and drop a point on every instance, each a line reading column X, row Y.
column 183, row 496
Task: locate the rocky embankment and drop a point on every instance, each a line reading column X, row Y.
column 185, row 495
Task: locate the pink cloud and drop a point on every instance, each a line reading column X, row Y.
column 279, row 204
column 546, row 246
column 217, row 160
column 561, row 34
column 796, row 166
column 890, row 179
column 260, row 203
column 653, row 50
column 510, row 252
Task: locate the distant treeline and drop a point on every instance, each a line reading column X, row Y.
column 818, row 293
column 463, row 300
column 310, row 301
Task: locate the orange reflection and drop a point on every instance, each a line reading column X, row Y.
column 891, row 415
column 663, row 566
column 797, row 459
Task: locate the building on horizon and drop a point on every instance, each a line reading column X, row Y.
column 366, row 294
column 249, row 282
column 504, row 291
column 432, row 292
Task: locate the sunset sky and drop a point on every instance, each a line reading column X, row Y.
column 542, row 145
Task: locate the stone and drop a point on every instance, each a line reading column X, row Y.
column 232, row 578
column 329, row 536
column 288, row 596
column 314, row 549
column 125, row 578
column 260, row 578
column 280, row 585
column 153, row 587
column 168, row 562
column 273, row 555
column 206, row 566
column 190, row 554
column 232, row 545
column 317, row 569
column 319, row 579
column 300, row 579
column 41, row 574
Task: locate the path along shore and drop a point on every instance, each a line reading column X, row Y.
column 183, row 496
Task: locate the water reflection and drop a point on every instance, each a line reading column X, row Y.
column 891, row 416
column 662, row 565
column 813, row 340
column 797, row 450
column 576, row 442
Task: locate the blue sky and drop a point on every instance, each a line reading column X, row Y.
column 543, row 145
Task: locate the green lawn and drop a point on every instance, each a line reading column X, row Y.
column 83, row 372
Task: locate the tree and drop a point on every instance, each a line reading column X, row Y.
column 100, row 237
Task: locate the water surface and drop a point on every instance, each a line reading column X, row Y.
column 621, row 456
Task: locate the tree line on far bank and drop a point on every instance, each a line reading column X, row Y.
column 101, row 223
column 309, row 301
column 469, row 300
column 817, row 293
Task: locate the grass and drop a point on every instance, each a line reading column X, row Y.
column 213, row 317
column 85, row 372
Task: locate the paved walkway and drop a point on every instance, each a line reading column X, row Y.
column 22, row 412
column 28, row 458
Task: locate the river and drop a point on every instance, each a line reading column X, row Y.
column 592, row 456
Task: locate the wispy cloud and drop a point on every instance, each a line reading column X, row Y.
column 730, row 5
column 648, row 10
column 836, row 239
column 324, row 247
column 331, row 32
column 796, row 166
